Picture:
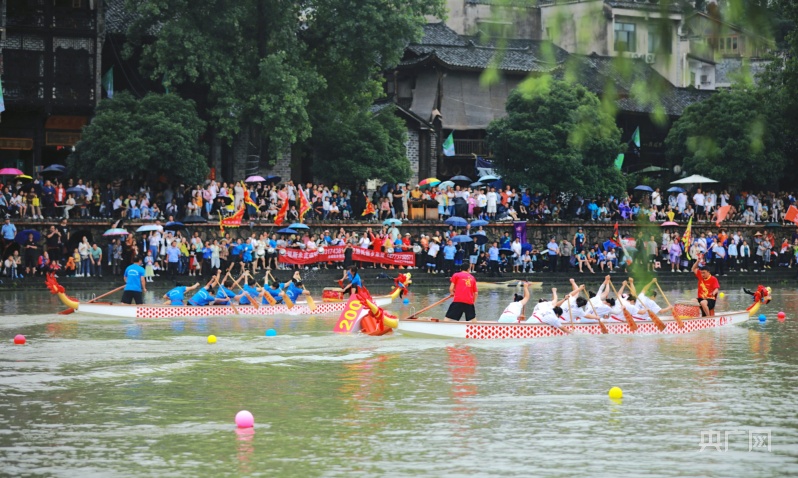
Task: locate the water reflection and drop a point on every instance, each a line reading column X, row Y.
column 245, row 449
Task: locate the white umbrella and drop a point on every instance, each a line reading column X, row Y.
column 149, row 228
column 694, row 179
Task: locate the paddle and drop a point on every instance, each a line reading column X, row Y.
column 673, row 310
column 598, row 317
column 431, row 306
column 311, row 302
column 629, row 319
column 659, row 323
column 69, row 311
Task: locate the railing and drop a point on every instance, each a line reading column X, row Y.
column 467, row 147
column 24, row 91
column 73, row 19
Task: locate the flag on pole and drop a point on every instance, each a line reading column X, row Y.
column 108, row 82
column 448, row 145
column 687, row 239
column 634, row 142
column 304, row 204
column 792, row 214
column 2, row 101
column 619, row 162
column 281, row 214
column 247, row 198
column 723, row 211
column 234, row 220
column 616, row 236
column 484, row 167
column 369, row 208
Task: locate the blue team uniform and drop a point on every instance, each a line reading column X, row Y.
column 177, row 295
column 249, row 290
column 355, row 281
column 275, row 293
column 224, row 293
column 293, row 292
column 202, row 297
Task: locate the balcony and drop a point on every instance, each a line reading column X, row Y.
column 467, row 147
column 74, row 19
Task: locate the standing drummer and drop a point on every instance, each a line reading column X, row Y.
column 464, row 288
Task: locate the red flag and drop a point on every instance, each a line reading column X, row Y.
column 723, row 211
column 792, row 214
column 281, row 214
column 616, row 236
column 247, row 198
column 369, row 208
column 304, row 204
column 232, row 221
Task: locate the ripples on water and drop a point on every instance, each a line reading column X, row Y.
column 98, row 397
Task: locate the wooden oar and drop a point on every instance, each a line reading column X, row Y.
column 69, row 311
column 598, row 317
column 629, row 319
column 673, row 310
column 311, row 302
column 654, row 318
column 431, row 306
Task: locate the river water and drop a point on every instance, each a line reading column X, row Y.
column 112, row 397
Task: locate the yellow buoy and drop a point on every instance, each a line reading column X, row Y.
column 211, row 339
column 722, row 295
column 615, row 393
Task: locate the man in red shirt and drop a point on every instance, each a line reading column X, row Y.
column 708, row 288
column 464, row 287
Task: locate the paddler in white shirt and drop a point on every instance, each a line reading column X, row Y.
column 646, row 298
column 514, row 312
column 551, row 312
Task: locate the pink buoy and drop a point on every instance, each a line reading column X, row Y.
column 782, row 315
column 244, row 419
column 19, row 339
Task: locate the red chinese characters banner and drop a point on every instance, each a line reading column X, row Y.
column 336, row 254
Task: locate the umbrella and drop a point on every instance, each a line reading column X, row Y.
column 480, row 239
column 461, row 180
column 392, row 222
column 194, row 220
column 772, row 225
column 225, row 199
column 273, row 179
column 477, row 184
column 462, row 238
column 76, row 238
column 504, row 250
column 489, row 178
column 54, row 168
column 287, row 230
column 446, row 184
column 478, row 223
column 76, row 191
column 115, row 231
column 668, row 223
column 22, row 237
column 10, row 172
column 651, row 169
column 609, row 245
column 643, row 187
column 694, row 179
column 298, row 225
column 676, row 189
column 150, row 228
column 428, row 183
column 24, row 177
column 456, row 221
column 174, row 226
column 255, row 179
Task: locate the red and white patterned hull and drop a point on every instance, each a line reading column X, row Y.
column 496, row 330
column 156, row 311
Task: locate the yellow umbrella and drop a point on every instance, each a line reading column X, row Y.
column 24, row 176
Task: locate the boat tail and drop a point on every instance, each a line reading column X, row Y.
column 57, row 289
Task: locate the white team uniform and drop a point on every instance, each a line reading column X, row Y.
column 542, row 307
column 511, row 313
column 546, row 317
column 649, row 303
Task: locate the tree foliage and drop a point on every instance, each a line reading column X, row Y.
column 367, row 147
column 730, row 137
column 557, row 137
column 130, row 138
column 281, row 68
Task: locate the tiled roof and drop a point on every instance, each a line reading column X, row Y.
column 118, row 19
column 656, row 5
column 440, row 34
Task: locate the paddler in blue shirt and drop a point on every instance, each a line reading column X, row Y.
column 205, row 296
column 293, row 289
column 224, row 295
column 177, row 296
column 354, row 281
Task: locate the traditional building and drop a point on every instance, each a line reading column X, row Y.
column 50, row 76
column 442, row 81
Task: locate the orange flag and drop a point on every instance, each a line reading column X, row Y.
column 232, row 221
column 792, row 214
column 304, row 204
column 247, row 198
column 723, row 211
column 281, row 214
column 369, row 208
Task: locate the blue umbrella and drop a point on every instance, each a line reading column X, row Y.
column 55, row 168
column 489, row 178
column 456, row 221
column 609, row 245
column 298, row 225
column 462, row 238
column 273, row 179
column 480, row 239
column 643, row 187
column 477, row 184
column 173, row 226
column 676, row 189
column 76, row 191
column 287, row 230
column 446, row 184
column 392, row 222
column 478, row 223
column 22, row 237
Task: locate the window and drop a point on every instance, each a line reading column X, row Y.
column 734, row 43
column 625, row 37
column 728, row 43
column 692, row 78
column 659, row 42
column 704, row 79
column 721, row 43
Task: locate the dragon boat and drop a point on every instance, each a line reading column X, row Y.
column 690, row 320
column 332, row 301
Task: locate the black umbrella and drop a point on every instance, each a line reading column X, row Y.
column 224, row 199
column 273, row 179
column 461, row 180
column 55, row 169
column 174, row 226
column 480, row 239
column 194, row 220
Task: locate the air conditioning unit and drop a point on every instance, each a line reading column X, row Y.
column 650, row 57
